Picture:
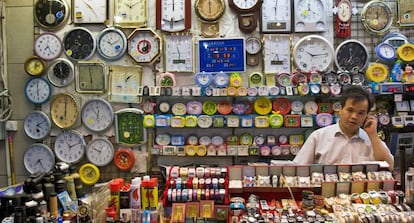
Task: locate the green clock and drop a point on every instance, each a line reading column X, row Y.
column 90, row 77
column 129, row 129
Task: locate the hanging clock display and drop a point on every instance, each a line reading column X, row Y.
column 111, row 43
column 51, row 14
column 90, row 77
column 386, row 52
column 97, row 115
column 173, row 16
column 35, row 66
column 79, row 44
column 144, row 45
column 209, row 12
column 48, row 46
column 247, row 13
column 61, row 72
column 343, row 12
column 405, row 13
column 253, row 47
column 313, row 53
column 130, row 14
column 124, row 84
column 69, row 146
column 37, row 125
column 129, row 129
column 38, row 158
column 276, row 53
column 310, row 16
column 64, row 110
column 352, row 56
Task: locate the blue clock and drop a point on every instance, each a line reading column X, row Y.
column 203, row 79
column 221, row 80
column 386, row 52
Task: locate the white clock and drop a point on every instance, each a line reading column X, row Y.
column 173, row 16
column 100, row 151
column 310, row 16
column 37, row 125
column 276, row 16
column 144, row 45
column 313, row 53
column 37, row 90
column 69, row 146
column 276, row 53
column 112, row 43
column 97, row 115
column 38, row 158
column 48, row 46
column 61, row 72
column 130, row 13
column 89, row 11
column 179, row 52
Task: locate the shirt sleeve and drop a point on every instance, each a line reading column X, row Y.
column 306, row 154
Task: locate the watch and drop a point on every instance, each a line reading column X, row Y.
column 48, row 46
column 253, row 47
column 405, row 13
column 343, row 11
column 179, row 52
column 111, row 43
column 89, row 11
column 173, row 16
column 90, row 77
column 276, row 53
column 37, row 90
column 35, row 66
column 276, row 16
column 221, row 80
column 61, row 72
column 313, row 53
column 51, row 15
column 97, row 115
column 124, row 83
column 130, row 14
column 209, row 12
column 64, row 110
column 129, row 129
column 124, row 159
column 89, row 174
column 386, row 52
column 406, row 52
column 377, row 17
column 100, row 151
column 377, row 72
column 209, row 107
column 262, row 106
column 247, row 13
column 69, row 146
column 79, row 44
column 256, row 79
column 310, row 16
column 38, row 157
column 351, row 55
column 37, row 125
column 144, row 45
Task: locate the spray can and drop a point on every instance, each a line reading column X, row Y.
column 115, row 187
column 135, row 199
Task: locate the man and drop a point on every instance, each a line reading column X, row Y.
column 353, row 139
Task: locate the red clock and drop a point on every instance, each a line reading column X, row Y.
column 124, row 159
column 282, row 105
column 173, row 16
column 343, row 18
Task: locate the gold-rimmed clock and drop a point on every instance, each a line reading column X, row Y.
column 405, row 13
column 209, row 12
column 144, row 45
column 179, row 52
column 130, row 14
column 247, row 13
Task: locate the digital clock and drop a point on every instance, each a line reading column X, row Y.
column 221, row 54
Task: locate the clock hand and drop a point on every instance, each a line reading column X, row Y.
column 90, row 7
column 90, row 76
column 172, row 22
column 178, row 51
column 65, row 107
column 41, row 164
column 209, row 7
column 173, row 5
column 276, row 7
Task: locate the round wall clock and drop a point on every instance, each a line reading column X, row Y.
column 64, row 110
column 61, row 72
column 97, row 115
column 351, row 55
column 48, row 46
column 386, row 52
column 51, row 14
column 173, row 16
column 79, row 44
column 209, row 11
column 100, row 151
column 377, row 17
column 111, row 43
column 89, row 174
column 35, row 66
column 37, row 90
column 313, row 53
column 124, row 159
column 144, row 45
column 69, row 146
column 129, row 127
column 38, row 158
column 37, row 125
column 262, row 106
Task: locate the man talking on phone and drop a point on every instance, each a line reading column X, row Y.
column 353, row 139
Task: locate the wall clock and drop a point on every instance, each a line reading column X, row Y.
column 35, row 66
column 276, row 53
column 89, row 174
column 100, row 151
column 377, row 72
column 48, row 46
column 262, row 106
column 144, row 45
column 253, row 47
column 313, row 53
column 203, row 79
column 256, row 79
column 209, row 12
column 97, row 115
column 38, row 157
column 89, row 11
column 111, row 43
column 130, row 14
column 179, row 52
column 351, row 55
column 129, row 129
column 276, row 16
column 173, row 16
column 61, row 72
column 386, row 52
column 406, row 52
column 69, row 146
column 221, row 80
column 377, row 17
column 247, row 13
column 124, row 159
column 37, row 125
column 79, row 44
column 124, row 83
column 51, row 15
column 405, row 13
column 310, row 16
column 37, row 90
column 90, row 77
column 343, row 12
column 64, row 110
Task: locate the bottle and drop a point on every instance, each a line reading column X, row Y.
column 53, row 205
column 115, row 187
column 77, row 181
column 135, row 199
column 70, row 187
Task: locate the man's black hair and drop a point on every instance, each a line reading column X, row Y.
column 357, row 94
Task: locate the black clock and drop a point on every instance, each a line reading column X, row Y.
column 51, row 14
column 352, row 56
column 79, row 44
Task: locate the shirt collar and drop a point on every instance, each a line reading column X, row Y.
column 339, row 132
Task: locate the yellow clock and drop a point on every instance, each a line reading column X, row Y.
column 64, row 110
column 262, row 106
column 89, row 174
column 209, row 11
column 406, row 52
column 34, row 66
column 235, row 80
column 377, row 72
column 149, row 121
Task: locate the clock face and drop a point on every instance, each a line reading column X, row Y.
column 309, row 16
column 405, row 12
column 89, row 175
column 276, row 16
column 179, row 53
column 38, row 158
column 377, row 17
column 35, row 66
column 89, row 11
column 97, row 115
column 64, row 110
column 276, row 53
column 100, row 151
column 144, row 45
column 37, row 125
column 79, row 44
column 112, row 43
column 129, row 126
column 179, row 109
column 37, row 90
column 221, row 80
column 173, row 16
column 313, row 53
column 61, row 72
column 194, row 107
column 351, row 55
column 385, row 51
column 51, row 14
column 69, row 146
column 90, row 77
column 130, row 14
column 48, row 46
column 344, row 10
column 209, row 10
column 125, row 82
column 262, row 106
column 203, row 79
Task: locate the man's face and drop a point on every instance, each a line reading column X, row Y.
column 353, row 115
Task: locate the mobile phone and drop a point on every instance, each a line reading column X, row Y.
column 366, row 124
